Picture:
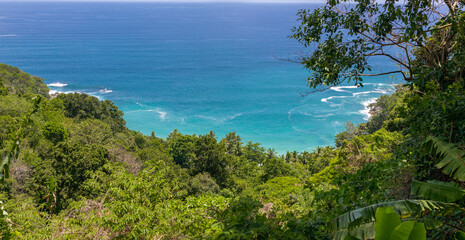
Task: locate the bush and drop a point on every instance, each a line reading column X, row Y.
column 202, row 183
column 55, row 132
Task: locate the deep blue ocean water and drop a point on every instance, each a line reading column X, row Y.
column 193, row 67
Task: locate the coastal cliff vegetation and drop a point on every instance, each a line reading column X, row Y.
column 71, row 169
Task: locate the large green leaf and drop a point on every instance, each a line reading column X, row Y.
column 348, row 237
column 453, row 158
column 459, row 235
column 386, row 221
column 362, row 231
column 410, row 230
column 430, row 223
column 360, row 222
column 438, row 191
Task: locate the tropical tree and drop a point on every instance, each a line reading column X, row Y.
column 414, row 34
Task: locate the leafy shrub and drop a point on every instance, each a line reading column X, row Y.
column 202, row 183
column 55, row 132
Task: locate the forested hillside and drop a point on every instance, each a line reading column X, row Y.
column 71, row 168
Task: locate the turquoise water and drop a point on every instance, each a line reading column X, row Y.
column 193, row 67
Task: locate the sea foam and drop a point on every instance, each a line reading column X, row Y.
column 161, row 113
column 325, row 100
column 57, row 84
column 341, row 88
column 105, row 90
column 366, row 110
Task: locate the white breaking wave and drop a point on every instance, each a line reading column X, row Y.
column 8, row 35
column 341, row 88
column 325, row 100
column 361, row 93
column 105, row 90
column 57, row 84
column 366, row 110
column 160, row 113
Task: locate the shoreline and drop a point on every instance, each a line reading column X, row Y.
column 163, row 116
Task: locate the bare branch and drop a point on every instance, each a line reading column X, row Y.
column 391, row 57
column 314, row 91
column 380, row 74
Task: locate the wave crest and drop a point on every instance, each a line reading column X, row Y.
column 341, row 88
column 366, row 110
column 161, row 113
column 57, row 84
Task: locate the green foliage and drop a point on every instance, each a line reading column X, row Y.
column 360, row 223
column 452, row 162
column 82, row 106
column 242, row 220
column 443, row 110
column 275, row 167
column 210, row 158
column 280, row 190
column 140, row 141
column 253, row 152
column 82, row 174
column 64, row 169
column 349, row 133
column 55, row 132
column 347, row 34
column 21, row 83
column 459, row 235
column 3, row 89
column 8, row 126
column 432, row 62
column 202, row 183
column 14, row 106
column 314, row 161
column 13, row 150
column 386, row 221
column 91, row 131
column 388, row 226
column 354, row 154
column 132, row 202
column 232, row 144
column 438, row 191
column 441, row 192
column 182, row 149
column 386, row 112
column 410, row 230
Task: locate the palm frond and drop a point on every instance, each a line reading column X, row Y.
column 452, row 157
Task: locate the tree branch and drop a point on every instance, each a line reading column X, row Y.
column 380, row 74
